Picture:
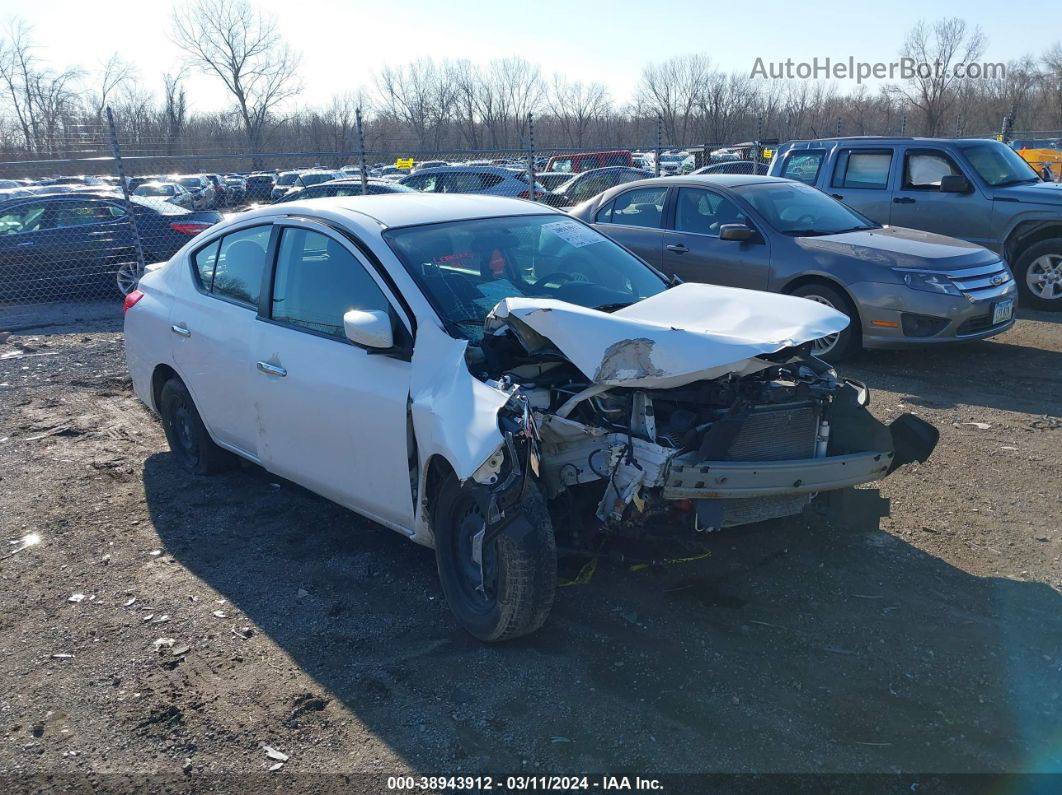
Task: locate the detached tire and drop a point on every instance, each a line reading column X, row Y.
column 836, row 347
column 189, row 439
column 514, row 593
column 1039, row 275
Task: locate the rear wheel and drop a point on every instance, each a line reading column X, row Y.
column 188, row 437
column 839, row 346
column 1039, row 275
column 500, row 589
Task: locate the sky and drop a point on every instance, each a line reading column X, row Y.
column 343, row 43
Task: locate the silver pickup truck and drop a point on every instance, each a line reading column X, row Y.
column 975, row 189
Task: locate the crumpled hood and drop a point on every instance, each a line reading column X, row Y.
column 688, row 333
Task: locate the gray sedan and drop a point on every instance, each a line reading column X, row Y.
column 492, row 180
column 898, row 286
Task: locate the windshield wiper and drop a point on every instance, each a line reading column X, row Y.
column 613, row 307
column 806, row 232
column 1016, row 181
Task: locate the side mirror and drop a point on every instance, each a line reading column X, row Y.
column 368, row 328
column 738, row 232
column 954, row 183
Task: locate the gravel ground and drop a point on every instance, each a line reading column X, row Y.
column 166, row 623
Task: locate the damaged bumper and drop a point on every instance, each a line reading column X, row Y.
column 723, row 480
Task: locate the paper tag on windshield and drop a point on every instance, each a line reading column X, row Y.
column 576, row 234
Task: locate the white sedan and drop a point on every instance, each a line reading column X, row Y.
column 471, row 371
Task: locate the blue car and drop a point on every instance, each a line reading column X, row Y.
column 82, row 245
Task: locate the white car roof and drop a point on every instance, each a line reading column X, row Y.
column 409, row 209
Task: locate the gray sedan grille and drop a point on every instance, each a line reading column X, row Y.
column 983, row 281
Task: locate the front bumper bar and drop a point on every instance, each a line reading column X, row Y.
column 727, row 480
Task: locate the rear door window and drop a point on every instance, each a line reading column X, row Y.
column 861, row 168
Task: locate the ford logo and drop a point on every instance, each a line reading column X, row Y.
column 998, row 279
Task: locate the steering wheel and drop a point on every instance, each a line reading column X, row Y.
column 562, row 277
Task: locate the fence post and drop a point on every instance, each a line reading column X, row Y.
column 659, row 143
column 531, row 155
column 758, row 147
column 129, row 208
column 903, row 125
column 362, row 165
column 838, row 126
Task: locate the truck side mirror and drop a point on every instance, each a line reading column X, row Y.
column 954, row 183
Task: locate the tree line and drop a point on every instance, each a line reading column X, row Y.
column 444, row 105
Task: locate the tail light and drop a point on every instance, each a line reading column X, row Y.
column 131, row 300
column 190, row 228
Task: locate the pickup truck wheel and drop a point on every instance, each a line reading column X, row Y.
column 189, row 439
column 1039, row 275
column 511, row 592
column 835, row 347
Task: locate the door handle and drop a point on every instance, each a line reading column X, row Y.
column 837, row 196
column 272, row 369
column 678, row 248
column 903, row 200
column 180, row 331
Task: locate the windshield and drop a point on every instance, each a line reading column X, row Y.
column 466, row 267
column 286, row 179
column 799, row 210
column 154, row 190
column 999, row 165
column 313, row 179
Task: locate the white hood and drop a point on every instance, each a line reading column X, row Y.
column 688, row 333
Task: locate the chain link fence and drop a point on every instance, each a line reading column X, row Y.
column 76, row 233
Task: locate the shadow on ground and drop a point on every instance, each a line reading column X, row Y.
column 791, row 648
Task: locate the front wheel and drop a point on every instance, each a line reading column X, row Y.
column 839, row 346
column 1039, row 275
column 500, row 589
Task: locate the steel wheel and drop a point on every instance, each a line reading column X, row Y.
column 476, row 564
column 128, row 277
column 1044, row 277
column 821, row 347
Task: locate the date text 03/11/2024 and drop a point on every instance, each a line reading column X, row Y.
column 523, row 783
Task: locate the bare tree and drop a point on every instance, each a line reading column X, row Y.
column 576, row 105
column 244, row 49
column 419, row 95
column 935, row 50
column 114, row 74
column 673, row 90
column 174, row 109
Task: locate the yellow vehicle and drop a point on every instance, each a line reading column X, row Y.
column 1040, row 152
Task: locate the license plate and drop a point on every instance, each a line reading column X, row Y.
column 1003, row 311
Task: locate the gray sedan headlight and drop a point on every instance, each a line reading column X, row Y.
column 929, row 282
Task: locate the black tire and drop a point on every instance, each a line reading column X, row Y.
column 521, row 564
column 1041, row 263
column 189, row 439
column 849, row 341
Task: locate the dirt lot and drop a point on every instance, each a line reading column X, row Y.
column 930, row 643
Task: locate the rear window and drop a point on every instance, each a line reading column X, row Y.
column 803, row 166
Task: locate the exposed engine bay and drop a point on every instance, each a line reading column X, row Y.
column 757, row 439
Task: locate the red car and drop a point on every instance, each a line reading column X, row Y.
column 584, row 161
